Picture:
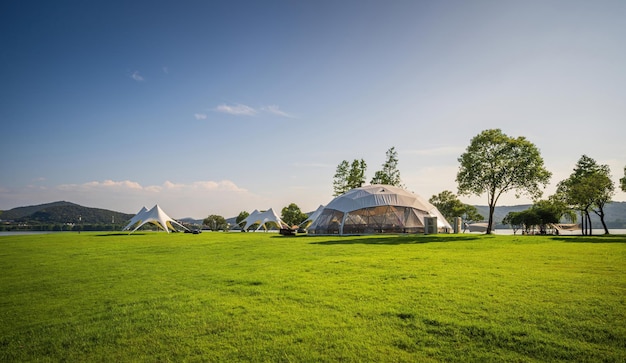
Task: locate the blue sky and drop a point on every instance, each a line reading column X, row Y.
column 215, row 107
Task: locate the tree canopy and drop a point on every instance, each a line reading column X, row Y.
column 495, row 163
column 389, row 175
column 242, row 215
column 622, row 181
column 450, row 206
column 349, row 176
column 292, row 215
column 215, row 222
column 588, row 188
column 541, row 214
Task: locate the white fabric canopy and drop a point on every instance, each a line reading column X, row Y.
column 262, row 218
column 156, row 216
column 313, row 215
column 376, row 209
column 136, row 218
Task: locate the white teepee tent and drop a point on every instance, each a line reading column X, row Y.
column 158, row 217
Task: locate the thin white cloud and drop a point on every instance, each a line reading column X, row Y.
column 166, row 70
column 136, row 76
column 200, row 116
column 237, row 110
column 179, row 199
column 275, row 110
column 223, row 185
column 244, row 110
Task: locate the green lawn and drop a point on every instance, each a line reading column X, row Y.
column 261, row 297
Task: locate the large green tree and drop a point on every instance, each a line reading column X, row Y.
column 389, row 175
column 589, row 188
column 495, row 163
column 349, row 176
column 292, row 215
column 215, row 222
column 622, row 181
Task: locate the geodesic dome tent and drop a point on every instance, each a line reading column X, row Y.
column 377, row 209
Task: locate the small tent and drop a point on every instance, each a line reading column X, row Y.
column 158, row 217
column 262, row 218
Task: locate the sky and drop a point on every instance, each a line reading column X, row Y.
column 218, row 107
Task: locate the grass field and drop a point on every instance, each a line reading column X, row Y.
column 261, row 297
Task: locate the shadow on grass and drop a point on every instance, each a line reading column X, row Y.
column 115, row 234
column 400, row 240
column 602, row 238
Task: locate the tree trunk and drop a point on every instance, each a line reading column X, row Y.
column 589, row 222
column 492, row 208
column 600, row 213
column 583, row 223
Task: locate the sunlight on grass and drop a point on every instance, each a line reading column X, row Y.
column 262, row 297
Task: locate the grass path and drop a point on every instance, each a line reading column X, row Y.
column 261, row 297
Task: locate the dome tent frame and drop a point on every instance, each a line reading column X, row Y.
column 376, row 209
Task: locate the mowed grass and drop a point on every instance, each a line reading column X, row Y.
column 256, row 297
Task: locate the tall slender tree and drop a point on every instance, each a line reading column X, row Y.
column 340, row 180
column 356, row 175
column 390, row 174
column 495, row 163
column 349, row 176
column 622, row 181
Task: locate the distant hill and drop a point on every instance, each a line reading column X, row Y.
column 63, row 212
column 21, row 212
column 615, row 214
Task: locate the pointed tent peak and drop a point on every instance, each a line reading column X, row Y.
column 143, row 209
column 136, row 218
column 158, row 217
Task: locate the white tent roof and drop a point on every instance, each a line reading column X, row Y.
column 261, row 218
column 376, row 195
column 157, row 216
column 136, row 218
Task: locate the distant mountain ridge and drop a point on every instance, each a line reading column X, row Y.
column 63, row 212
